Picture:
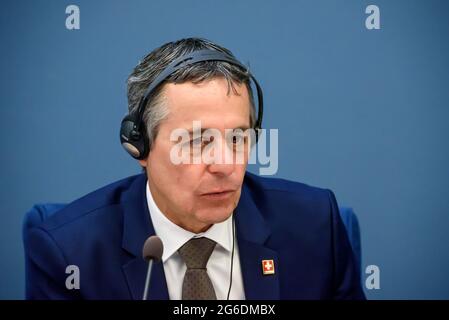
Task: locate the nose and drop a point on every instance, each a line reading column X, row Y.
column 223, row 162
column 221, row 169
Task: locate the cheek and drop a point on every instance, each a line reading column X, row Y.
column 177, row 180
column 176, row 176
column 183, row 190
column 240, row 171
column 186, row 179
column 162, row 171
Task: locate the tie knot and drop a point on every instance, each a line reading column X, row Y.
column 196, row 252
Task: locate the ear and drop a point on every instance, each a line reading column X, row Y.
column 144, row 162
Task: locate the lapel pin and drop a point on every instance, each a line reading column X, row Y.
column 268, row 267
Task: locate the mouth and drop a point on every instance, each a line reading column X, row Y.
column 218, row 195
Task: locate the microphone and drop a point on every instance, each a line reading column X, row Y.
column 152, row 251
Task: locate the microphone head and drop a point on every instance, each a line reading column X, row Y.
column 153, row 249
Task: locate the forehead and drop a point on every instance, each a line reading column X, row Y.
column 213, row 102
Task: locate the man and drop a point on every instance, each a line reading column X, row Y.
column 225, row 233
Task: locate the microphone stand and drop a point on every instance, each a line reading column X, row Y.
column 147, row 280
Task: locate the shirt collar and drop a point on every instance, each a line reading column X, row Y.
column 174, row 237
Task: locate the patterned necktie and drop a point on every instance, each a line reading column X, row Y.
column 197, row 284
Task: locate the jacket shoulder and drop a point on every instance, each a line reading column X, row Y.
column 284, row 200
column 102, row 198
column 266, row 185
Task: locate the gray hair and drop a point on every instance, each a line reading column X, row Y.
column 157, row 60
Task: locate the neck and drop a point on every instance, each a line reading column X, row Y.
column 193, row 228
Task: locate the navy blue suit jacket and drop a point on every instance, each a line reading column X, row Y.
column 296, row 225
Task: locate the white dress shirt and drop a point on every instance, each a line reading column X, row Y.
column 219, row 265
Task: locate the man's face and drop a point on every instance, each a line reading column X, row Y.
column 195, row 196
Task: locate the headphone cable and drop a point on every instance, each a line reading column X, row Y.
column 232, row 255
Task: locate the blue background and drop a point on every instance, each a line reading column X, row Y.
column 363, row 112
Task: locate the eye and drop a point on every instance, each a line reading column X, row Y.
column 211, row 139
column 195, row 142
column 201, row 141
column 238, row 139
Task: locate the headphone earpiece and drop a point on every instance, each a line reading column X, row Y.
column 132, row 138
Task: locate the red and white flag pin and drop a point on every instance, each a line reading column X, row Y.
column 268, row 267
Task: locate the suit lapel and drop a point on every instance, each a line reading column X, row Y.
column 257, row 285
column 137, row 227
column 252, row 234
column 135, row 272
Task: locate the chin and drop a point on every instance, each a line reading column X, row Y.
column 214, row 215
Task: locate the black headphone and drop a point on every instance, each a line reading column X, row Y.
column 133, row 135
